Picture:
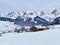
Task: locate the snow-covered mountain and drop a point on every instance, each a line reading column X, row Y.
column 56, row 12
column 28, row 19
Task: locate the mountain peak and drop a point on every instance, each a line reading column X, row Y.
column 56, row 11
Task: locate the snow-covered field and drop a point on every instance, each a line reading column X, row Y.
column 50, row 37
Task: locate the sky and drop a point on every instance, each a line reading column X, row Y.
column 40, row 38
column 28, row 5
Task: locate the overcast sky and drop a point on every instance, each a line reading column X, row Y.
column 28, row 5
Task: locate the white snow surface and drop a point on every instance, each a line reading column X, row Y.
column 50, row 37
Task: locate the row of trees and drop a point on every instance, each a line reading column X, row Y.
column 21, row 30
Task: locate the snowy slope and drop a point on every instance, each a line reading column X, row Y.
column 50, row 37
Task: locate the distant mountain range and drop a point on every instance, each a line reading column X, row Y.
column 33, row 18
